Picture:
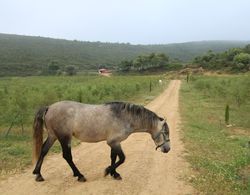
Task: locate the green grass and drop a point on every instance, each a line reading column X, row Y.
column 13, row 154
column 21, row 97
column 219, row 155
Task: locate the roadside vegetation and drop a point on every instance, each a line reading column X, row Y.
column 216, row 131
column 234, row 59
column 21, row 97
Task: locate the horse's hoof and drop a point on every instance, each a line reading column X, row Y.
column 107, row 171
column 82, row 179
column 39, row 178
column 117, row 176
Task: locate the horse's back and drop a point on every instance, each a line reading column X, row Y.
column 87, row 122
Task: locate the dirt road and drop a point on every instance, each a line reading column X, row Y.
column 145, row 170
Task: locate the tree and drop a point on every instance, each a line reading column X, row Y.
column 144, row 62
column 242, row 61
column 53, row 67
column 232, row 52
column 138, row 63
column 70, row 70
column 126, row 65
column 232, row 59
column 243, row 58
column 247, row 49
column 162, row 59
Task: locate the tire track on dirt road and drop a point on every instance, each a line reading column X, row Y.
column 145, row 171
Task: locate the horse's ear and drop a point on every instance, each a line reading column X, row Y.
column 161, row 119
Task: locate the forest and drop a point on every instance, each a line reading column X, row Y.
column 29, row 55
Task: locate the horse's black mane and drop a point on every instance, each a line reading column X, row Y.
column 120, row 109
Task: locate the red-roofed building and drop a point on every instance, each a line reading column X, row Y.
column 104, row 72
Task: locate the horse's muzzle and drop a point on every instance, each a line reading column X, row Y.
column 165, row 149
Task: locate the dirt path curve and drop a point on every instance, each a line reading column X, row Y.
column 145, row 171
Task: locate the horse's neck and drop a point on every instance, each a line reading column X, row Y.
column 139, row 128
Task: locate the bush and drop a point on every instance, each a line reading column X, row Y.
column 70, row 70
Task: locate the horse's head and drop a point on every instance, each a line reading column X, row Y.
column 161, row 136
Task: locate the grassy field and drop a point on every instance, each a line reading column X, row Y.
column 21, row 97
column 219, row 154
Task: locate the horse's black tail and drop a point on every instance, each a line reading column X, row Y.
column 38, row 133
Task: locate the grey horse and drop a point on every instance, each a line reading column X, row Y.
column 112, row 122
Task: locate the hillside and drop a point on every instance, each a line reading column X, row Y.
column 28, row 55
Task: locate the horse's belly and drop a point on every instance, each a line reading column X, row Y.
column 90, row 135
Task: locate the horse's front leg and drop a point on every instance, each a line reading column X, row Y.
column 116, row 150
column 113, row 157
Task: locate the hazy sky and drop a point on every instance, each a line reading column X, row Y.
column 134, row 21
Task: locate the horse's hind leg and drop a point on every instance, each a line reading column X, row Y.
column 66, row 148
column 116, row 150
column 45, row 148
